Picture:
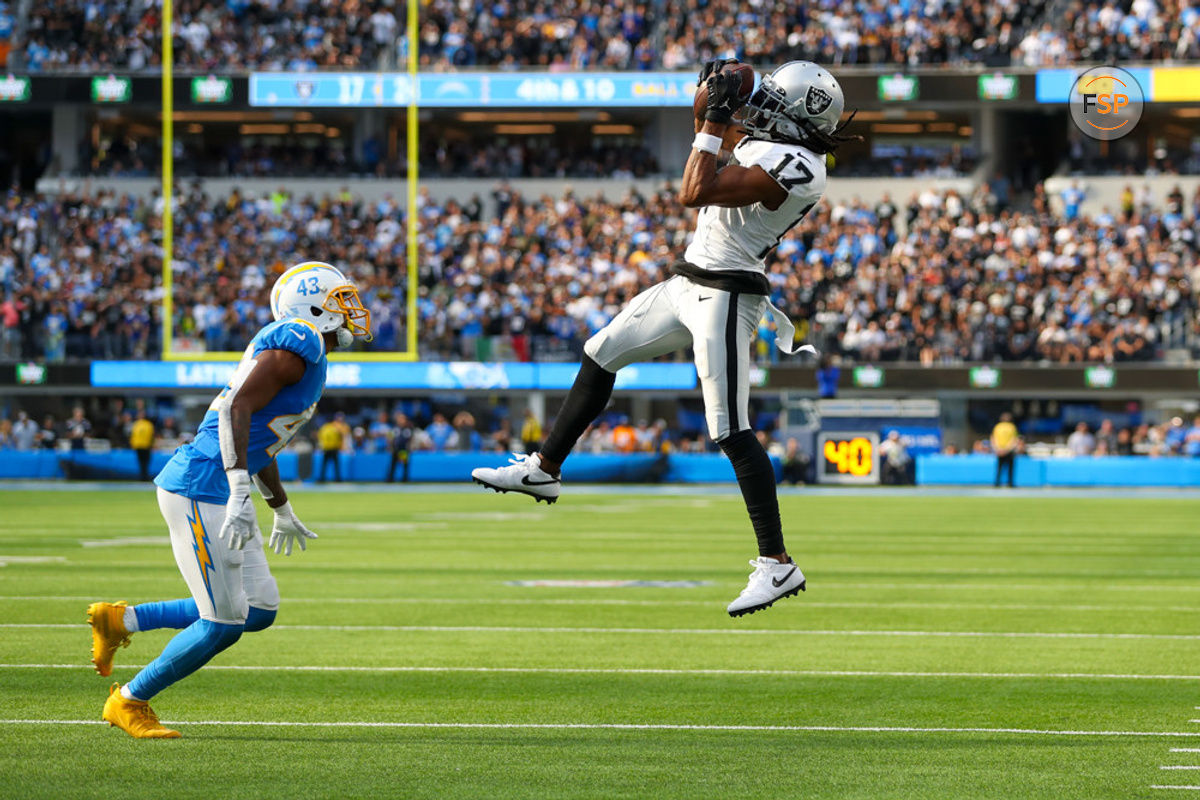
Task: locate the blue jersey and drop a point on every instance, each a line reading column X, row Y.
column 197, row 471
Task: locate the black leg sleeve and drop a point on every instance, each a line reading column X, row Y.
column 756, row 478
column 588, row 396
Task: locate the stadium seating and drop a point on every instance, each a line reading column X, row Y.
column 73, row 35
column 938, row 279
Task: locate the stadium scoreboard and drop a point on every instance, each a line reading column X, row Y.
column 848, row 457
column 468, row 90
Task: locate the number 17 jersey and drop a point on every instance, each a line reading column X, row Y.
column 197, row 470
column 742, row 237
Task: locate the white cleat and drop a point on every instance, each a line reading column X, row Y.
column 524, row 474
column 770, row 581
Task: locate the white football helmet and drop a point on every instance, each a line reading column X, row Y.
column 798, row 103
column 321, row 294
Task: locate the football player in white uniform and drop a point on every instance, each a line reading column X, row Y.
column 717, row 294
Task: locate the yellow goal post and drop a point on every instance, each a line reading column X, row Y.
column 169, row 353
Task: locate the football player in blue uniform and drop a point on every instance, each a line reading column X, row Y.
column 204, row 495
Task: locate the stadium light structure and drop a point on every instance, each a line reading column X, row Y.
column 168, row 196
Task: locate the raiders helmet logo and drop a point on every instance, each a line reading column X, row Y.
column 816, row 101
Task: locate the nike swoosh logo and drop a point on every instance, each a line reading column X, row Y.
column 777, row 582
column 702, row 299
column 525, row 480
column 299, row 335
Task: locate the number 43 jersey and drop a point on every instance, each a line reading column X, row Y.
column 197, row 471
column 742, row 237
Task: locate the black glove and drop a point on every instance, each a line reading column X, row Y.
column 710, row 67
column 724, row 97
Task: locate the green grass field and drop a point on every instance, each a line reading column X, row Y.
column 947, row 647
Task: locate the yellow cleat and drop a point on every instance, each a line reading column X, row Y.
column 108, row 633
column 135, row 717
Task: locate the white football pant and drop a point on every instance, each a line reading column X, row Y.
column 224, row 582
column 718, row 325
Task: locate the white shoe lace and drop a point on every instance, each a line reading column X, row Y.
column 519, row 461
column 756, row 575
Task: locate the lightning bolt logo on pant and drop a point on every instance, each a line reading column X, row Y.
column 200, row 544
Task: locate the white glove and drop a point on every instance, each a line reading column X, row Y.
column 287, row 529
column 241, row 522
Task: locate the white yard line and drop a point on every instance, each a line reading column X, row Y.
column 631, row 726
column 1016, row 587
column 821, row 673
column 1159, row 786
column 1185, row 749
column 6, row 560
column 690, row 631
column 888, row 586
column 128, row 541
column 611, row 601
column 1181, row 766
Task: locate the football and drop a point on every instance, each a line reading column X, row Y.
column 700, row 103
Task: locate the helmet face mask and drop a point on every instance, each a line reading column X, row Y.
column 344, row 300
column 765, row 113
column 321, row 295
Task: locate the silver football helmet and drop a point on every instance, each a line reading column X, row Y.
column 798, row 103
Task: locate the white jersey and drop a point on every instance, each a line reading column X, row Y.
column 741, row 238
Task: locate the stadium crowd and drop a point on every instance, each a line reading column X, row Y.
column 938, row 278
column 229, row 36
column 844, row 32
column 970, row 280
column 233, row 35
column 407, row 426
column 1111, row 32
column 571, row 35
column 1171, row 438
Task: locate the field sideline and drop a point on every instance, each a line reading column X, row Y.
column 1026, row 646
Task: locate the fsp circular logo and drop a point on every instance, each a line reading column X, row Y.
column 1106, row 103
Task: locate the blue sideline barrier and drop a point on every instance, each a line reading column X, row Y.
column 931, row 470
column 582, row 468
column 37, row 464
column 980, row 470
column 116, row 465
column 365, row 467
